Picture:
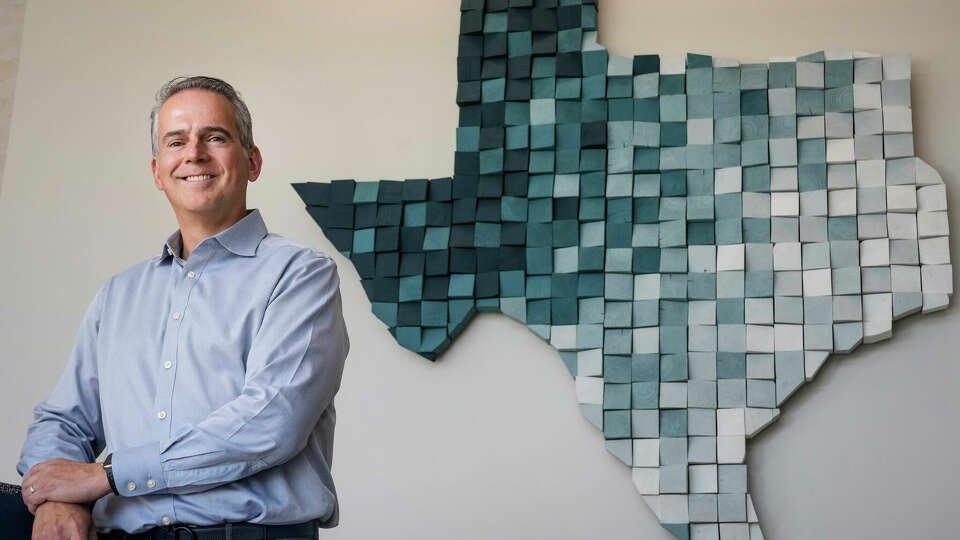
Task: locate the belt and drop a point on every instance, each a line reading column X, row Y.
column 227, row 531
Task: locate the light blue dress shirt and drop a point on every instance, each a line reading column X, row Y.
column 211, row 380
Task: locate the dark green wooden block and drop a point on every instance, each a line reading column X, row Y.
column 616, row 396
column 616, row 424
column 645, row 395
column 673, row 423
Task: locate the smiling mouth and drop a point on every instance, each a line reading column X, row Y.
column 197, row 178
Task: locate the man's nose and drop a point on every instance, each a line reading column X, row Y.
column 196, row 150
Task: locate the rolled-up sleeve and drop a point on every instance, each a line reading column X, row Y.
column 68, row 423
column 294, row 368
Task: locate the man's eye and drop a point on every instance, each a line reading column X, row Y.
column 216, row 138
column 175, row 143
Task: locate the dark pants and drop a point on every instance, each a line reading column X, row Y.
column 16, row 521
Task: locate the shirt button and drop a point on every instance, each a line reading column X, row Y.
column 176, row 315
column 162, row 414
column 168, row 364
column 165, row 520
column 131, row 485
column 151, row 483
column 169, row 251
column 191, row 275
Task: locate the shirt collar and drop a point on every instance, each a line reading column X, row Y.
column 242, row 238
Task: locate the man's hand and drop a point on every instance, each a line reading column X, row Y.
column 63, row 480
column 63, row 521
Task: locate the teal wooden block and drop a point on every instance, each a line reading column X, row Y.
column 673, row 286
column 756, row 179
column 646, row 368
column 755, row 152
column 570, row 112
column 617, row 369
column 517, row 137
column 568, row 136
column 620, row 110
column 488, row 305
column 673, row 159
column 837, row 73
column 673, row 367
column 702, row 286
column 590, row 284
column 592, row 310
column 592, row 184
column 410, row 288
column 592, row 110
column 700, row 157
column 646, row 110
column 461, row 285
column 458, row 315
column 700, row 182
column 756, row 230
column 594, row 87
column 565, row 260
column 680, row 530
column 536, row 287
column 847, row 336
column 703, row 508
column 729, row 231
column 521, row 44
column 673, row 479
column 730, row 311
column 673, row 450
column 726, row 155
column 782, row 75
column 790, row 373
column 646, row 160
column 753, row 76
column 701, row 233
column 673, row 339
column 645, row 395
column 732, row 478
column 386, row 312
column 539, row 312
column 366, row 192
column 702, row 394
column 512, row 283
column 673, row 233
column 700, row 208
column 619, row 135
column 732, row 507
column 645, row 424
column 568, row 161
column 619, row 87
column 491, row 161
column 617, row 341
column 673, row 108
column 468, row 139
column 542, row 136
column 539, row 260
column 622, row 449
column 618, row 260
column 703, row 366
column 673, row 208
column 754, row 127
column 673, row 313
column 673, row 260
column 618, row 286
column 616, row 396
column 700, row 80
column 645, row 313
column 541, row 162
column 616, row 424
column 728, row 206
column 433, row 314
column 727, row 105
column 726, row 79
column 703, row 421
column 433, row 341
column 592, row 234
column 437, row 238
column 758, row 284
column 812, row 151
column 618, row 314
column 731, row 365
column 699, row 106
column 544, row 87
column 363, row 240
column 415, row 214
column 839, row 99
column 408, row 337
column 727, row 130
column 493, row 90
column 646, row 134
column 619, row 210
column 731, row 393
column 513, row 209
column 783, row 127
column 590, row 259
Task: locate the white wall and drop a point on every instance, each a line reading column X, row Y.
column 488, row 442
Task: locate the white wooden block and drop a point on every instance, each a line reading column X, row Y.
column 700, row 131
column 590, row 363
column 902, row 171
column 897, row 120
column 788, row 337
column 758, row 311
column 871, row 173
column 935, row 302
column 653, row 501
column 902, row 226
column 702, row 312
column 927, row 175
column 874, row 331
column 937, row 278
column 755, row 420
column 646, row 452
column 647, row 480
column 872, row 226
column 751, row 511
column 905, row 279
column 673, row 395
column 932, row 224
column 730, row 422
column 838, row 54
column 674, row 509
column 810, row 127
column 812, row 362
column 783, row 179
column 935, row 250
column 787, row 256
column 878, row 307
column 842, row 202
column 703, row 478
column 704, row 531
column 841, row 176
column 785, row 204
column 756, row 205
column 868, row 122
column 731, row 449
column 901, row 199
column 866, row 97
column 673, row 64
column 728, row 179
column 931, row 198
column 702, row 258
column 590, row 43
column 840, row 151
column 896, row 67
column 867, row 69
column 564, row 338
column 725, row 62
column 619, row 66
column 730, row 257
column 646, row 286
column 760, row 339
column 590, row 390
column 875, row 252
column 646, row 340
column 817, row 282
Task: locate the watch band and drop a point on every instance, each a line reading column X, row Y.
column 108, row 468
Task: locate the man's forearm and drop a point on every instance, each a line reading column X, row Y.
column 63, row 480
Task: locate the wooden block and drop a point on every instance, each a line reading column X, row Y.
column 810, row 127
column 647, row 479
column 897, row 120
column 646, row 453
column 703, row 478
column 731, row 449
column 896, row 67
column 932, row 224
column 904, row 226
column 931, row 198
column 935, row 250
column 785, row 204
column 840, row 151
column 935, row 302
column 813, row 361
column 589, row 390
column 838, row 125
column 869, row 122
column 927, row 175
column 875, row 252
column 866, row 97
column 847, row 336
column 841, row 176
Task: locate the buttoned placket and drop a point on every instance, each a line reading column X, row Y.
column 184, row 276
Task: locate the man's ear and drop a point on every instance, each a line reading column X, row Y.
column 156, row 174
column 255, row 163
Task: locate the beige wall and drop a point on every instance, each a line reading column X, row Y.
column 11, row 28
column 487, row 443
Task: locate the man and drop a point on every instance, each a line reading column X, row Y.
column 208, row 372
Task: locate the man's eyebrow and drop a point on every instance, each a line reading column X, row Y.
column 206, row 129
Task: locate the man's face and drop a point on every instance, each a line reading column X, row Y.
column 201, row 165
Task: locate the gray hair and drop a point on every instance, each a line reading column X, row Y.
column 217, row 86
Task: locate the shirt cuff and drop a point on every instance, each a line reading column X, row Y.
column 137, row 470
